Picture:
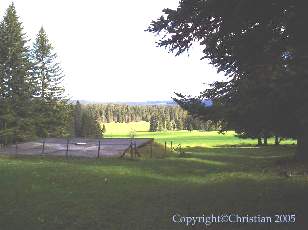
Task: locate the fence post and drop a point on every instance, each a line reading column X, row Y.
column 171, row 146
column 165, row 147
column 43, row 149
column 99, row 148
column 67, row 143
column 131, row 150
column 16, row 147
column 151, row 149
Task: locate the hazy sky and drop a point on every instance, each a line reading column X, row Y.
column 105, row 53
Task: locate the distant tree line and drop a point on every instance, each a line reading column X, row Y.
column 160, row 117
column 32, row 99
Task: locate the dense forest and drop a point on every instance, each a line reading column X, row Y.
column 161, row 117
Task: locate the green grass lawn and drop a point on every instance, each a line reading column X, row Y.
column 114, row 128
column 54, row 193
column 185, row 138
column 196, row 138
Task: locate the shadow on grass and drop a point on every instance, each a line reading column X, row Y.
column 54, row 193
column 232, row 159
column 198, row 162
column 199, row 165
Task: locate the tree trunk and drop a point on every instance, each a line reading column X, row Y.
column 277, row 141
column 302, row 148
column 259, row 141
column 265, row 140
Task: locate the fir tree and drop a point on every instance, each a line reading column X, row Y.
column 90, row 126
column 16, row 85
column 77, row 119
column 47, row 70
column 154, row 123
column 49, row 92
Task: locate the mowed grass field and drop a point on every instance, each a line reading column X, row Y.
column 115, row 129
column 183, row 137
column 144, row 193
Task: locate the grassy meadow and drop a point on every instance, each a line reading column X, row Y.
column 183, row 137
column 115, row 129
column 219, row 174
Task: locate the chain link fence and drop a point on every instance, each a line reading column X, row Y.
column 79, row 147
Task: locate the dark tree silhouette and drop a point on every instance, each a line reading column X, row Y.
column 261, row 47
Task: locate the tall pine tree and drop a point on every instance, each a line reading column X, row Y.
column 48, row 72
column 16, row 86
column 78, row 119
column 50, row 99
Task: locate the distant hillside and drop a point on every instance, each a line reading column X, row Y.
column 206, row 102
column 86, row 102
column 148, row 103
